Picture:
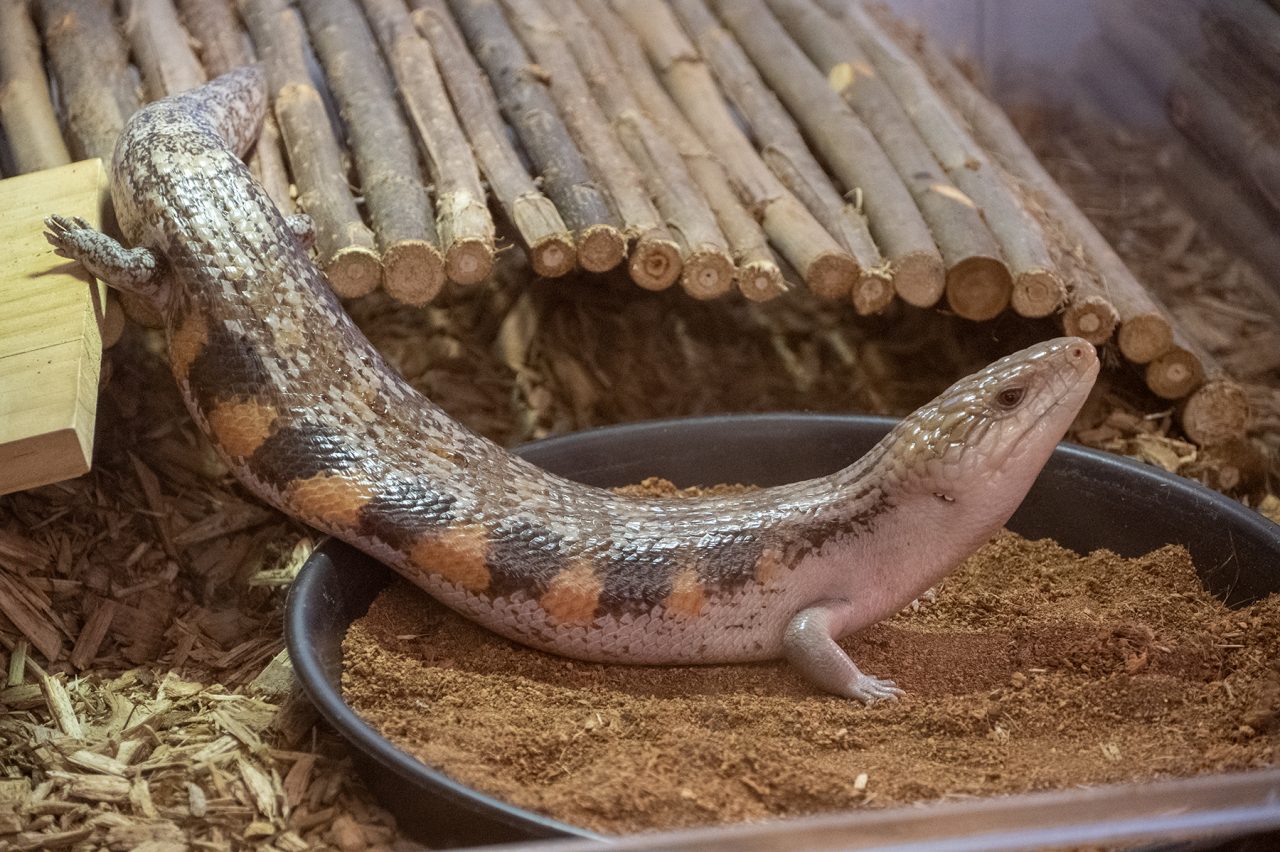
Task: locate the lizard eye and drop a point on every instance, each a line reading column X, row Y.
column 1010, row 397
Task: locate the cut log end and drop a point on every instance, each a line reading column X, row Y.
column 412, row 271
column 1037, row 293
column 354, row 271
column 552, row 252
column 919, row 279
column 655, row 263
column 468, row 261
column 1092, row 317
column 1175, row 374
column 1237, row 466
column 1144, row 338
column 831, row 275
column 707, row 275
column 1217, row 413
column 979, row 288
column 601, row 248
column 761, row 281
column 553, row 256
column 873, row 292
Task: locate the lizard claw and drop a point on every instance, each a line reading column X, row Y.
column 61, row 224
column 870, row 690
column 60, row 233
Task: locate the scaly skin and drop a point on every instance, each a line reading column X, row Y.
column 313, row 421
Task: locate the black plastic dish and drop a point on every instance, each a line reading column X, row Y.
column 1083, row 499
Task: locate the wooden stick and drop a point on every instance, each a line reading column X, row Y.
column 1198, row 109
column 1179, row 22
column 919, row 274
column 160, row 47
column 1101, row 72
column 857, row 159
column 1086, row 313
column 1194, row 105
column 827, row 268
column 91, row 635
column 462, row 217
column 1129, row 103
column 1204, row 115
column 655, row 259
column 1250, row 229
column 1145, row 330
column 60, row 708
column 529, row 108
column 935, row 138
column 1218, row 409
column 781, row 146
column 162, row 51
column 978, row 282
column 220, row 41
column 787, row 154
column 873, row 290
column 1178, row 371
column 26, row 111
column 344, row 244
column 708, row 267
column 546, row 237
column 1216, row 413
column 758, row 276
column 267, row 162
column 223, row 45
column 18, row 663
column 1251, row 27
column 1089, row 315
column 1129, row 35
column 90, row 62
column 1236, row 217
column 390, row 175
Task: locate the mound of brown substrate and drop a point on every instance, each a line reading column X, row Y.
column 1034, row 668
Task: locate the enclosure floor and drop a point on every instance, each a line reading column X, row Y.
column 166, row 579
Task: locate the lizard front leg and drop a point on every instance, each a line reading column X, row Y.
column 135, row 270
column 809, row 644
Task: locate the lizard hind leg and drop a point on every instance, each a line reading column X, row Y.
column 135, row 270
column 809, row 644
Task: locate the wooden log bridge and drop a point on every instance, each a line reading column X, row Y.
column 749, row 147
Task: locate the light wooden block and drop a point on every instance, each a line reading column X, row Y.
column 50, row 329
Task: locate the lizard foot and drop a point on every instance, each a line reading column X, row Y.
column 870, row 690
column 809, row 644
column 63, row 235
column 136, row 270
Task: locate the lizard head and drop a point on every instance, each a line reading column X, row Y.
column 987, row 436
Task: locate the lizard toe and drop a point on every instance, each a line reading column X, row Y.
column 871, row 690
